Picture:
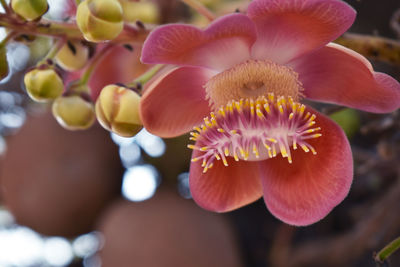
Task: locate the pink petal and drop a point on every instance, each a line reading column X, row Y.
column 224, row 43
column 224, row 188
column 289, row 28
column 174, row 103
column 305, row 191
column 335, row 74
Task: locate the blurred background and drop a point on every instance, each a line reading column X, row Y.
column 93, row 199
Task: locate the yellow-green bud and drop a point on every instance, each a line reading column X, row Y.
column 117, row 110
column 73, row 56
column 100, row 20
column 43, row 84
column 30, row 9
column 3, row 62
column 144, row 11
column 73, row 112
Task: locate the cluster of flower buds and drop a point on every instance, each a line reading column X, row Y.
column 74, row 53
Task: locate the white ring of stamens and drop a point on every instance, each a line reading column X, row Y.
column 255, row 130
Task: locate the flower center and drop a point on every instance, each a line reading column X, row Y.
column 255, row 130
column 251, row 79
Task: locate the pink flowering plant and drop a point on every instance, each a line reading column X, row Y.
column 239, row 86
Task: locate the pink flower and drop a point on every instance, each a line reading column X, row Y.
column 247, row 75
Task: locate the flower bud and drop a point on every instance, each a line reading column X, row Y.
column 73, row 112
column 43, row 84
column 144, row 11
column 73, row 56
column 117, row 110
column 100, row 20
column 3, row 62
column 30, row 9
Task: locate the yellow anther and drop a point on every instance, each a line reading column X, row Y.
column 302, row 109
column 255, row 151
column 260, row 114
column 283, row 151
column 220, row 130
column 290, row 159
column 207, row 122
column 193, row 138
column 226, row 151
column 224, row 161
column 217, row 156
column 312, row 117
column 242, row 152
column 195, row 159
column 272, row 140
column 266, row 146
column 305, row 148
column 291, row 115
column 280, row 109
column 316, row 135
column 205, row 169
column 204, row 163
column 294, row 107
column 271, row 97
column 235, row 156
column 307, row 115
column 204, row 148
column 197, row 129
column 191, row 146
column 233, row 131
column 312, row 130
column 267, row 109
column 294, row 144
column 311, row 123
column 313, row 150
column 238, row 107
column 222, row 112
column 291, row 102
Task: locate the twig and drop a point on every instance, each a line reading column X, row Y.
column 378, row 48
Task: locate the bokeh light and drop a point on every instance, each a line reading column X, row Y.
column 121, row 141
column 139, row 183
column 20, row 246
column 153, row 145
column 130, row 154
column 86, row 245
column 57, row 251
column 183, row 185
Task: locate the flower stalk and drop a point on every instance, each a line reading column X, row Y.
column 5, row 6
column 388, row 250
column 53, row 51
column 92, row 65
column 66, row 30
column 145, row 77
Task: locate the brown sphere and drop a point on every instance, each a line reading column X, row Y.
column 166, row 231
column 57, row 181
